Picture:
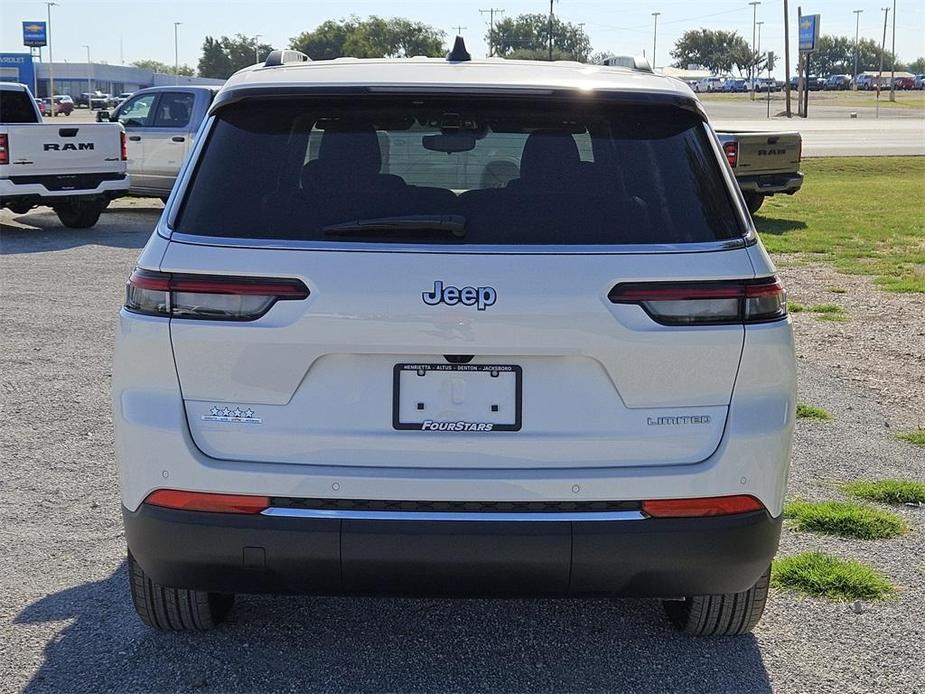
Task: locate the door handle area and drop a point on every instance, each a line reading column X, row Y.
column 178, row 138
column 135, row 138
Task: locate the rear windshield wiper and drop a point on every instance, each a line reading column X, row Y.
column 415, row 224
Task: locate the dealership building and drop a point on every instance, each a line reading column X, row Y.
column 77, row 78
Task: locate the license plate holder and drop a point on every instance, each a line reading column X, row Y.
column 457, row 398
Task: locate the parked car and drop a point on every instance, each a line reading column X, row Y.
column 709, row 84
column 161, row 123
column 766, row 84
column 837, row 83
column 330, row 380
column 764, row 163
column 735, row 86
column 920, row 81
column 64, row 105
column 75, row 170
column 122, row 97
column 94, row 100
column 904, row 82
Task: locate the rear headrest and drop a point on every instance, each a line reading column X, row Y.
column 353, row 148
column 548, row 156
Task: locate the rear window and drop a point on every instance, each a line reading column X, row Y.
column 443, row 170
column 16, row 107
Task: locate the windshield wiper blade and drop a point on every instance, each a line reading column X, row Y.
column 454, row 224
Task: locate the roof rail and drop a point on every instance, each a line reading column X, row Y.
column 632, row 62
column 283, row 57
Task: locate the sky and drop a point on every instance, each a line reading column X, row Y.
column 127, row 30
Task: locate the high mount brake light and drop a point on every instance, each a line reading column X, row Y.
column 706, row 303
column 732, row 153
column 208, row 297
column 707, row 506
column 205, row 501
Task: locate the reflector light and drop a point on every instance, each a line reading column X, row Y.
column 696, row 508
column 732, row 153
column 706, row 303
column 208, row 297
column 4, row 149
column 208, row 502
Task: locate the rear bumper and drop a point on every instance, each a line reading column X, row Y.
column 35, row 191
column 265, row 554
column 769, row 184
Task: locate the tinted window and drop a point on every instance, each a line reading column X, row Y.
column 173, row 110
column 509, row 172
column 136, row 112
column 16, row 107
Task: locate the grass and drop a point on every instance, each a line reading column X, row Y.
column 822, row 575
column 847, row 99
column 862, row 214
column 829, row 312
column 805, row 411
column 887, row 491
column 794, row 307
column 838, row 290
column 916, row 437
column 844, row 519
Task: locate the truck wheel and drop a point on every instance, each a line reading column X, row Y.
column 19, row 208
column 753, row 201
column 175, row 609
column 80, row 215
column 720, row 615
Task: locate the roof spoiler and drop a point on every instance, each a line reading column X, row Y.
column 285, row 57
column 632, row 62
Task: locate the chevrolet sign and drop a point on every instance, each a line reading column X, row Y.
column 34, row 34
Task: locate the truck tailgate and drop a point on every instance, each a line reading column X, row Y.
column 37, row 149
column 768, row 152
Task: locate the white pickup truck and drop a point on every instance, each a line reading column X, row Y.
column 76, row 169
column 764, row 163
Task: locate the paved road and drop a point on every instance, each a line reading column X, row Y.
column 66, row 623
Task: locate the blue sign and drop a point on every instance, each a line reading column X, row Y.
column 17, row 67
column 809, row 32
column 34, row 34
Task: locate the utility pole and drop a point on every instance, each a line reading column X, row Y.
column 176, row 53
column 857, row 46
column 51, row 69
column 886, row 14
column 257, row 48
column 459, row 29
column 800, row 83
column 491, row 11
column 893, row 58
column 751, row 67
column 550, row 28
column 654, row 37
column 787, row 57
column 89, row 86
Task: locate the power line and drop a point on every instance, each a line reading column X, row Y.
column 491, row 11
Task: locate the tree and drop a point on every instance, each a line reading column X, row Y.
column 222, row 57
column 528, row 36
column 835, row 55
column 917, row 66
column 373, row 37
column 158, row 66
column 717, row 50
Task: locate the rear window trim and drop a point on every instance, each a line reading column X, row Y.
column 748, row 234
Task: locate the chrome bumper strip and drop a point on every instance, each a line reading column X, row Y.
column 451, row 515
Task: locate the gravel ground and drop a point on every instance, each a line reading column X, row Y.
column 66, row 623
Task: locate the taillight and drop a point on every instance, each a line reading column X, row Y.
column 732, row 153
column 204, row 501
column 707, row 506
column 209, row 297
column 123, row 142
column 706, row 303
column 4, row 149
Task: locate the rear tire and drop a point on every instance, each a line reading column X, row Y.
column 175, row 609
column 19, row 208
column 80, row 215
column 730, row 614
column 753, row 201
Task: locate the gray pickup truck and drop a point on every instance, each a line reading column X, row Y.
column 764, row 163
column 161, row 124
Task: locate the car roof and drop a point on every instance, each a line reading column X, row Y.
column 421, row 73
column 12, row 86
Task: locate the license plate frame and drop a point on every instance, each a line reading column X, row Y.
column 458, row 368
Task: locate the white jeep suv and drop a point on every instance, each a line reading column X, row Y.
column 454, row 327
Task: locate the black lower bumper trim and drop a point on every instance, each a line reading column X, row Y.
column 262, row 554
